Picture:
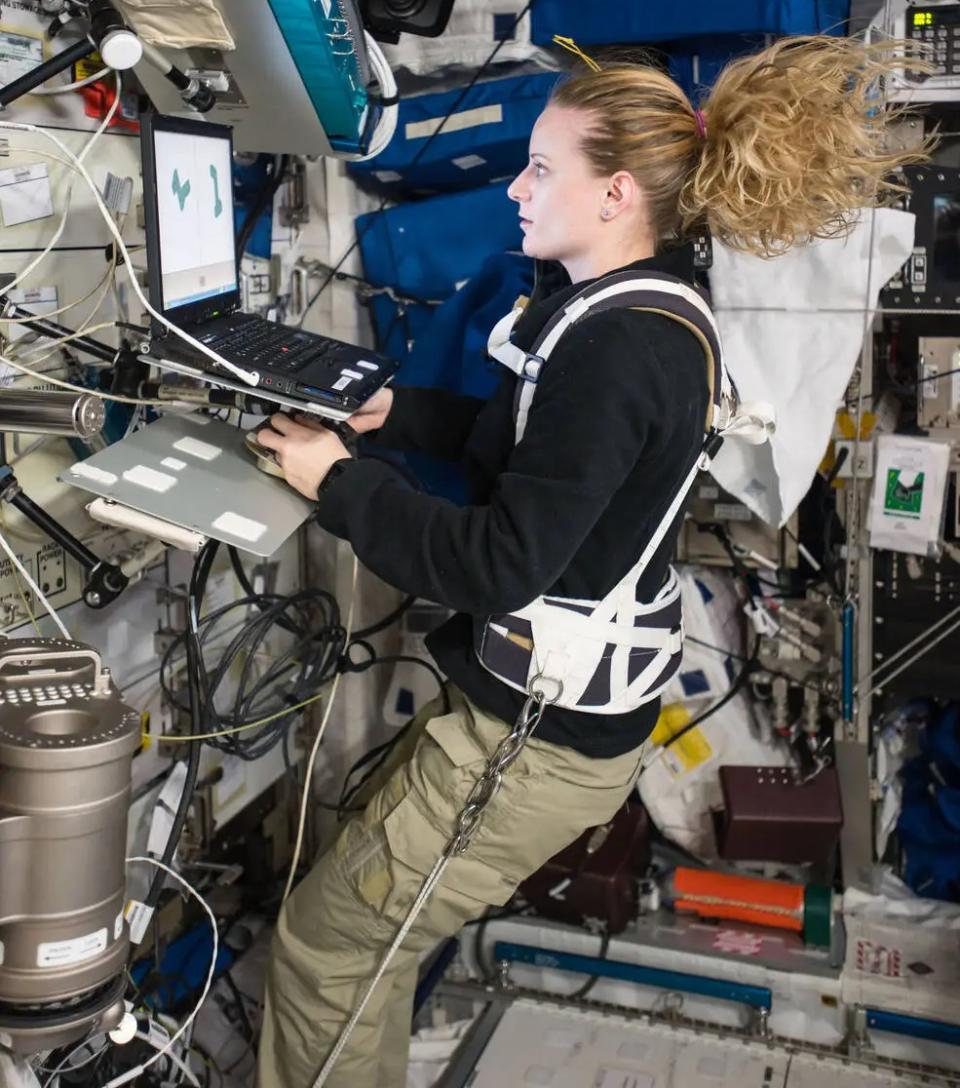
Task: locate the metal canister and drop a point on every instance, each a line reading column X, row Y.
column 51, row 411
column 66, row 743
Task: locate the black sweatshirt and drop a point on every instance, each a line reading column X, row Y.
column 616, row 424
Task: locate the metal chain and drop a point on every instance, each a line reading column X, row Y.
column 488, row 784
column 483, row 792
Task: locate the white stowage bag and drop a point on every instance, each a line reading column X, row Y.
column 792, row 329
column 178, row 24
column 467, row 41
column 680, row 785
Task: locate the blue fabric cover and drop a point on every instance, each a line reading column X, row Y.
column 616, row 21
column 493, row 147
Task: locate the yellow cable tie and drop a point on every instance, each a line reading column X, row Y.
column 571, row 46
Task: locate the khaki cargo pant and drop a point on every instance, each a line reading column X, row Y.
column 335, row 926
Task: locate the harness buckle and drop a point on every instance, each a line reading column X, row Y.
column 530, row 370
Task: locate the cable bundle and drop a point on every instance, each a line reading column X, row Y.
column 310, row 616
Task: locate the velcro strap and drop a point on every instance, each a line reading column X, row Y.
column 576, row 625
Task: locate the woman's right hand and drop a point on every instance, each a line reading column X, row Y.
column 372, row 415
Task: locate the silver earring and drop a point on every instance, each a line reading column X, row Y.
column 605, row 214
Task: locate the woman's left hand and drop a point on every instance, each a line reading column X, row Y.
column 304, row 453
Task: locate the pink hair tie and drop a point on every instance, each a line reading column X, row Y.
column 701, row 124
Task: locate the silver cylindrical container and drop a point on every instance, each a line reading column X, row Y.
column 66, row 742
column 77, row 415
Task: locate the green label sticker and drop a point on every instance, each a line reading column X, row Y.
column 903, row 499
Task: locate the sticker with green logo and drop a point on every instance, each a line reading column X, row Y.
column 904, row 497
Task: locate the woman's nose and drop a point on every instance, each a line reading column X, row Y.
column 518, row 189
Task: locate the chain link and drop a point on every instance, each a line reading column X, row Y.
column 488, row 784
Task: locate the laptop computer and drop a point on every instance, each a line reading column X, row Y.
column 193, row 274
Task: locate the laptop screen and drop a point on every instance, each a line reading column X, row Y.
column 194, row 195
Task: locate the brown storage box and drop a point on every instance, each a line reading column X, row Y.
column 596, row 876
column 771, row 816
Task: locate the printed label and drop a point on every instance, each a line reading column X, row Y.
column 456, row 122
column 117, row 193
column 468, row 162
column 64, row 953
column 138, row 917
column 732, row 511
column 118, row 926
column 342, row 383
column 735, row 941
column 878, row 959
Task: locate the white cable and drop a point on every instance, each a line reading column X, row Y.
column 46, row 315
column 436, row 874
column 246, row 376
column 75, row 86
column 62, row 1067
column 80, row 388
column 387, row 125
column 11, row 555
column 78, row 161
column 889, row 661
column 178, row 1062
column 308, row 780
column 132, row 1074
column 913, row 658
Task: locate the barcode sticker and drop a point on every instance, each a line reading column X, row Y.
column 138, row 917
column 117, row 193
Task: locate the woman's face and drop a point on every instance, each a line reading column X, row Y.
column 560, row 197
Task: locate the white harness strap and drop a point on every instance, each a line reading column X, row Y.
column 615, row 654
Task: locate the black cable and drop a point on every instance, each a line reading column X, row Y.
column 388, row 621
column 311, row 658
column 591, row 982
column 263, row 198
column 508, row 35
column 197, row 703
column 378, row 755
column 748, row 666
column 238, row 996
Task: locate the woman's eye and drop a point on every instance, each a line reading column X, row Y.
column 539, row 169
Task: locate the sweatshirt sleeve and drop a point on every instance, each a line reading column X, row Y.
column 593, row 414
column 433, row 421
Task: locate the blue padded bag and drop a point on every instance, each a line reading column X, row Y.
column 486, row 139
column 929, row 824
column 451, row 351
column 614, row 21
column 696, row 64
column 426, row 248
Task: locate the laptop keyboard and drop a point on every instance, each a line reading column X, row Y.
column 275, row 346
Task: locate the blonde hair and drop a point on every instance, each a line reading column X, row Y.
column 795, row 141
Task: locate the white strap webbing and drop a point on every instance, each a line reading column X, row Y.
column 577, row 308
column 499, row 346
column 610, row 607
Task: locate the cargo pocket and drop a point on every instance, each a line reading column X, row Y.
column 469, row 884
column 588, row 791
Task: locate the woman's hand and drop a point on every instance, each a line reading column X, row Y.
column 372, row 415
column 304, row 453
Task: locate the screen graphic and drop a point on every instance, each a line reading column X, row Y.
column 195, row 208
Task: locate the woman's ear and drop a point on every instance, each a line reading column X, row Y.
column 622, row 193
